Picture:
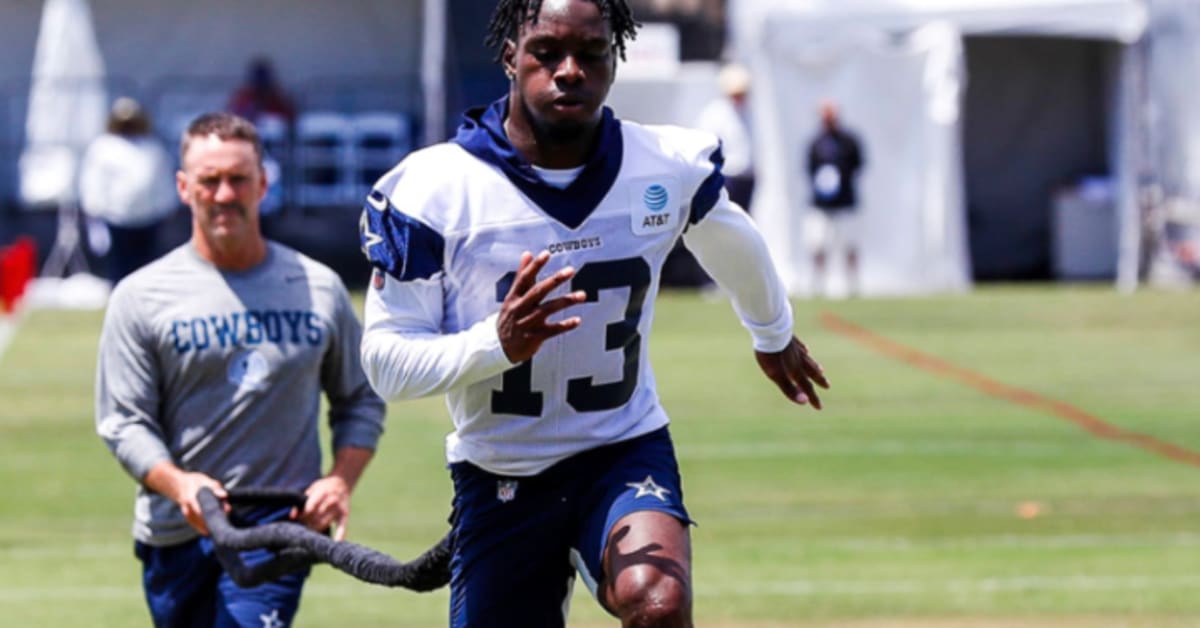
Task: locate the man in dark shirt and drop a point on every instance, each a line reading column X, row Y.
column 834, row 160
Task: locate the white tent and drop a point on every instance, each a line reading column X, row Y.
column 67, row 110
column 67, row 102
column 897, row 69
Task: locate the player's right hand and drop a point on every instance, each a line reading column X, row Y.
column 522, row 323
column 181, row 487
column 188, row 484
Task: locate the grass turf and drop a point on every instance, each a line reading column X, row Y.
column 911, row 500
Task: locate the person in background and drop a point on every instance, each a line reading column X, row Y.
column 262, row 101
column 125, row 181
column 261, row 95
column 211, row 366
column 515, row 271
column 835, row 158
column 728, row 117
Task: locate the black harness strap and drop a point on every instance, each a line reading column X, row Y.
column 297, row 547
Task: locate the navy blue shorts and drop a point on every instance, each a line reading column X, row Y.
column 185, row 585
column 519, row 540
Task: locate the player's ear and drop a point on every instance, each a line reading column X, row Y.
column 264, row 183
column 615, row 55
column 508, row 59
column 181, row 186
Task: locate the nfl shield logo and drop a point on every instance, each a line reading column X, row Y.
column 506, row 490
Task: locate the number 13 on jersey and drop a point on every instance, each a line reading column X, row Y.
column 517, row 396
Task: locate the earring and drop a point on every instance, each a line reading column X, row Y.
column 510, row 74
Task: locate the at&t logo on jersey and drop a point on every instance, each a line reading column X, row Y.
column 653, row 207
column 656, row 198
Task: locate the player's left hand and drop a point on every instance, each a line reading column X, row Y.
column 794, row 371
column 328, row 504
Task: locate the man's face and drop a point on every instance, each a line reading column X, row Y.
column 223, row 183
column 829, row 115
column 563, row 67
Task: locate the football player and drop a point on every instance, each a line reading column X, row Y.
column 515, row 271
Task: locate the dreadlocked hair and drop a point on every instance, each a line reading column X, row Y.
column 511, row 14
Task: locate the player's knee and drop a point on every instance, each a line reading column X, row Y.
column 645, row 596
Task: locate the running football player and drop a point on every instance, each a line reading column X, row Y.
column 515, row 271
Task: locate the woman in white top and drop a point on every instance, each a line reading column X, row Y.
column 127, row 181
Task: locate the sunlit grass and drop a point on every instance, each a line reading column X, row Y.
column 911, row 498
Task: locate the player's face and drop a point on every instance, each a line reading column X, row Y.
column 563, row 66
column 223, row 183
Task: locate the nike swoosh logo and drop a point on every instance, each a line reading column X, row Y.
column 378, row 201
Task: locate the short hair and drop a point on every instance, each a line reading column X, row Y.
column 511, row 14
column 127, row 118
column 225, row 126
column 734, row 79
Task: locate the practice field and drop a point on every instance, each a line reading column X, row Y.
column 1013, row 457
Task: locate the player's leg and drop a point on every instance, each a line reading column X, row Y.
column 511, row 565
column 848, row 236
column 648, row 570
column 836, row 246
column 819, row 259
column 852, row 276
column 635, row 546
column 268, row 605
column 816, row 236
column 180, row 583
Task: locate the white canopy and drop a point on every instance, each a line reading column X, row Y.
column 896, row 67
column 67, row 102
column 1121, row 20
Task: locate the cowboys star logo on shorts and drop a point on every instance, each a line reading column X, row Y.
column 272, row 620
column 506, row 490
column 649, row 487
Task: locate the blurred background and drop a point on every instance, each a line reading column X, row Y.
column 1005, row 139
column 1011, row 439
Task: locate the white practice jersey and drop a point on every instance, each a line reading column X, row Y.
column 445, row 231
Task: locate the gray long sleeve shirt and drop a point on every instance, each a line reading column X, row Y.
column 221, row 373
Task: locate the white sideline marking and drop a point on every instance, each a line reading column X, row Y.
column 796, row 588
column 1016, row 541
column 861, row 544
column 957, row 448
column 957, row 585
column 41, row 552
column 8, row 329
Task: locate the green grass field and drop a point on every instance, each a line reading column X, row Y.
column 912, row 500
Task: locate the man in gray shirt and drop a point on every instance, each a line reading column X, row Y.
column 211, row 364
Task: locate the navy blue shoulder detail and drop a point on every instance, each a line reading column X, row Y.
column 482, row 135
column 710, row 189
column 397, row 243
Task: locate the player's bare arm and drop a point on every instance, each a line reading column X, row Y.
column 181, row 487
column 522, row 323
column 794, row 371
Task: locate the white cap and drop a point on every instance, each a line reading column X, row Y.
column 733, row 79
